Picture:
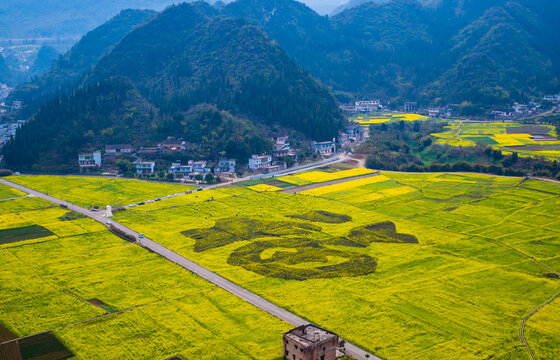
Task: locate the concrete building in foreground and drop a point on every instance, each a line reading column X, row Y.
column 309, row 342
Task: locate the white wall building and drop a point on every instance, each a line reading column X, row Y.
column 90, row 159
column 257, row 162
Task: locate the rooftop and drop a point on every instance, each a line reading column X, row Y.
column 118, row 146
column 310, row 334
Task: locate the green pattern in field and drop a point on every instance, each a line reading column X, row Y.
column 167, row 311
column 460, row 292
column 92, row 191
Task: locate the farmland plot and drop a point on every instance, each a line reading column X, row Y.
column 446, row 269
column 106, row 298
column 96, row 191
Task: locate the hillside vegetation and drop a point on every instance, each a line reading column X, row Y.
column 487, row 53
column 220, row 83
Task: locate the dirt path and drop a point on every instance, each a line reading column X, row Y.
column 522, row 329
column 295, row 189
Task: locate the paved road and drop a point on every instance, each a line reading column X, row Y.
column 295, row 189
column 225, row 284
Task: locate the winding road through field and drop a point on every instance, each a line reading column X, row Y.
column 263, row 304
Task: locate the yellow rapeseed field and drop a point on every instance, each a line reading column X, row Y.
column 264, row 188
column 427, row 266
column 46, row 284
column 344, row 186
column 312, row 177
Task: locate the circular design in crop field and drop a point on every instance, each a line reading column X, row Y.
column 300, row 259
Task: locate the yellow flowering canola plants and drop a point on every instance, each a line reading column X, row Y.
column 264, row 188
column 316, row 176
column 408, row 266
column 91, row 191
column 67, row 280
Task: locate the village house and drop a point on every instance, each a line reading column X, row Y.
column 145, row 167
column 410, row 107
column 257, row 162
column 351, row 133
column 90, row 159
column 281, row 147
column 324, row 147
column 552, row 98
column 310, row 342
column 178, row 169
column 520, row 108
column 199, row 167
column 502, row 114
column 367, row 106
column 173, row 145
column 433, row 112
column 225, row 166
column 118, row 149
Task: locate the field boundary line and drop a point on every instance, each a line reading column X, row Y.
column 522, row 329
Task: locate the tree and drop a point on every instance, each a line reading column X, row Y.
column 209, row 178
column 124, row 166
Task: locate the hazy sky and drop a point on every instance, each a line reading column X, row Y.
column 323, row 6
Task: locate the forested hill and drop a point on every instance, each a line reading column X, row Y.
column 69, row 70
column 219, row 83
column 5, row 74
column 489, row 52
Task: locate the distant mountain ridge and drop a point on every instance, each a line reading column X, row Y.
column 68, row 71
column 429, row 51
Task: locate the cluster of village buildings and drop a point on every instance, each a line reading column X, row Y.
column 367, row 106
column 518, row 110
column 4, row 108
column 5, row 90
column 8, row 131
column 266, row 163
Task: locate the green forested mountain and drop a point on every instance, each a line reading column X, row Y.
column 220, row 83
column 488, row 52
column 69, row 70
column 44, row 60
column 5, row 74
column 353, row 3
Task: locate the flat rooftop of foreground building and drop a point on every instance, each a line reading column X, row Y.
column 308, row 335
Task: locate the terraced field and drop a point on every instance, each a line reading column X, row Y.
column 105, row 298
column 527, row 140
column 423, row 266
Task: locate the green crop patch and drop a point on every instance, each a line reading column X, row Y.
column 230, row 230
column 385, row 232
column 300, row 259
column 43, row 346
column 72, row 215
column 322, row 216
column 13, row 235
column 482, row 139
